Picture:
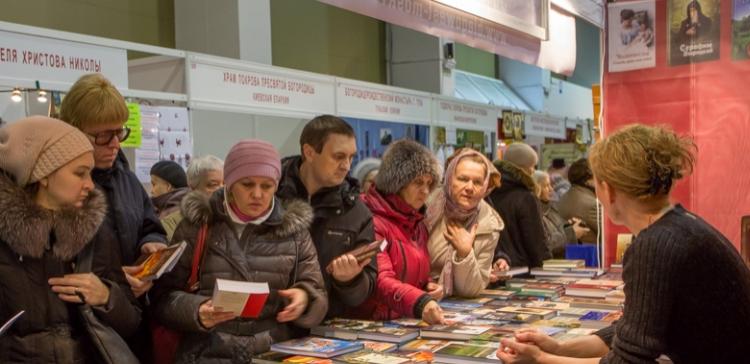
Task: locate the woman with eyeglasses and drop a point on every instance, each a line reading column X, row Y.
column 94, row 106
column 464, row 229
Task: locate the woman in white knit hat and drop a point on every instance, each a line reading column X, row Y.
column 50, row 216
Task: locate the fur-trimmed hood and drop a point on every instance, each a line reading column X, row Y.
column 512, row 175
column 288, row 218
column 25, row 226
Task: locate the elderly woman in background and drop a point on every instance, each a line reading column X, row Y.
column 408, row 175
column 204, row 174
column 253, row 237
column 365, row 172
column 51, row 216
column 464, row 229
column 558, row 231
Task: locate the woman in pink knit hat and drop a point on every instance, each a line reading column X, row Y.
column 253, row 237
column 51, row 218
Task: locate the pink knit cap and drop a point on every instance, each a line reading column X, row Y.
column 252, row 158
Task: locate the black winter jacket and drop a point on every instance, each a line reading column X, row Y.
column 37, row 244
column 523, row 240
column 341, row 222
column 278, row 251
column 130, row 208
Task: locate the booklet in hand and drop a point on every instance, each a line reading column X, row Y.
column 245, row 299
column 364, row 252
column 10, row 322
column 159, row 262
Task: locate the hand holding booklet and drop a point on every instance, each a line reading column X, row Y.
column 154, row 265
column 364, row 252
column 245, row 299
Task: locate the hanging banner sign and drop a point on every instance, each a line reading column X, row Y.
column 231, row 85
column 371, row 101
column 544, row 126
column 57, row 64
column 520, row 41
column 452, row 111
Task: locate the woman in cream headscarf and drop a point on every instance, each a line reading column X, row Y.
column 464, row 229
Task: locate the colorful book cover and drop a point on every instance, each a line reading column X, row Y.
column 316, row 346
column 379, row 347
column 277, row 357
column 548, row 305
column 741, row 29
column 543, row 313
column 423, row 345
column 475, row 352
column 694, row 31
column 373, row 357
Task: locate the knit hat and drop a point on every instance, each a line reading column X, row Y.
column 521, row 154
column 403, row 161
column 35, row 147
column 171, row 172
column 364, row 167
column 251, row 158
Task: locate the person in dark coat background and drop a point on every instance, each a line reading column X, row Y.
column 253, row 237
column 341, row 221
column 94, row 106
column 50, row 213
column 522, row 242
column 168, row 187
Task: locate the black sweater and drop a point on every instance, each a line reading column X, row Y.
column 687, row 296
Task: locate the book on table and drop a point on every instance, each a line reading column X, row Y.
column 364, row 252
column 365, row 356
column 540, row 312
column 460, row 353
column 155, row 264
column 273, row 357
column 512, row 271
column 245, row 299
column 457, row 331
column 379, row 346
column 352, row 329
column 317, row 346
column 423, row 345
column 563, row 263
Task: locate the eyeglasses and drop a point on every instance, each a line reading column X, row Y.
column 105, row 137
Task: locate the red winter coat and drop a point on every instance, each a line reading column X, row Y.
column 404, row 266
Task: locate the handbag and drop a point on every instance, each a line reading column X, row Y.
column 165, row 340
column 109, row 344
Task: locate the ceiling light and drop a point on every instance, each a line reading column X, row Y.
column 16, row 96
column 42, row 97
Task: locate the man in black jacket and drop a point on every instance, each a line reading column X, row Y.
column 341, row 221
column 522, row 242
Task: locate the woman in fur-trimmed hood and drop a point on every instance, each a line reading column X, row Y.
column 50, row 214
column 252, row 237
column 408, row 174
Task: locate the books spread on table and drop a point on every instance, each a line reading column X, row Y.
column 7, row 325
column 365, row 251
column 350, row 329
column 423, row 345
column 317, row 347
column 365, row 357
column 154, row 265
column 246, row 299
column 563, row 263
column 540, row 312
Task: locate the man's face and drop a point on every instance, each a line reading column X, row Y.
column 332, row 164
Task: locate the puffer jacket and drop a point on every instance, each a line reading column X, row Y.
column 522, row 241
column 278, row 251
column 341, row 222
column 404, row 266
column 37, row 244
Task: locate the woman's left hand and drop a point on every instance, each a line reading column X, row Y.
column 461, row 239
column 80, row 288
column 512, row 352
column 297, row 304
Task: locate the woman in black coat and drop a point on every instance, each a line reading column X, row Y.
column 50, row 214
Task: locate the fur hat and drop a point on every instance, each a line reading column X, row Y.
column 37, row 146
column 403, row 161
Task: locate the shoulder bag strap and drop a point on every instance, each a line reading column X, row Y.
column 200, row 244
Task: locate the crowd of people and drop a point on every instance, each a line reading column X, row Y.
column 68, row 195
